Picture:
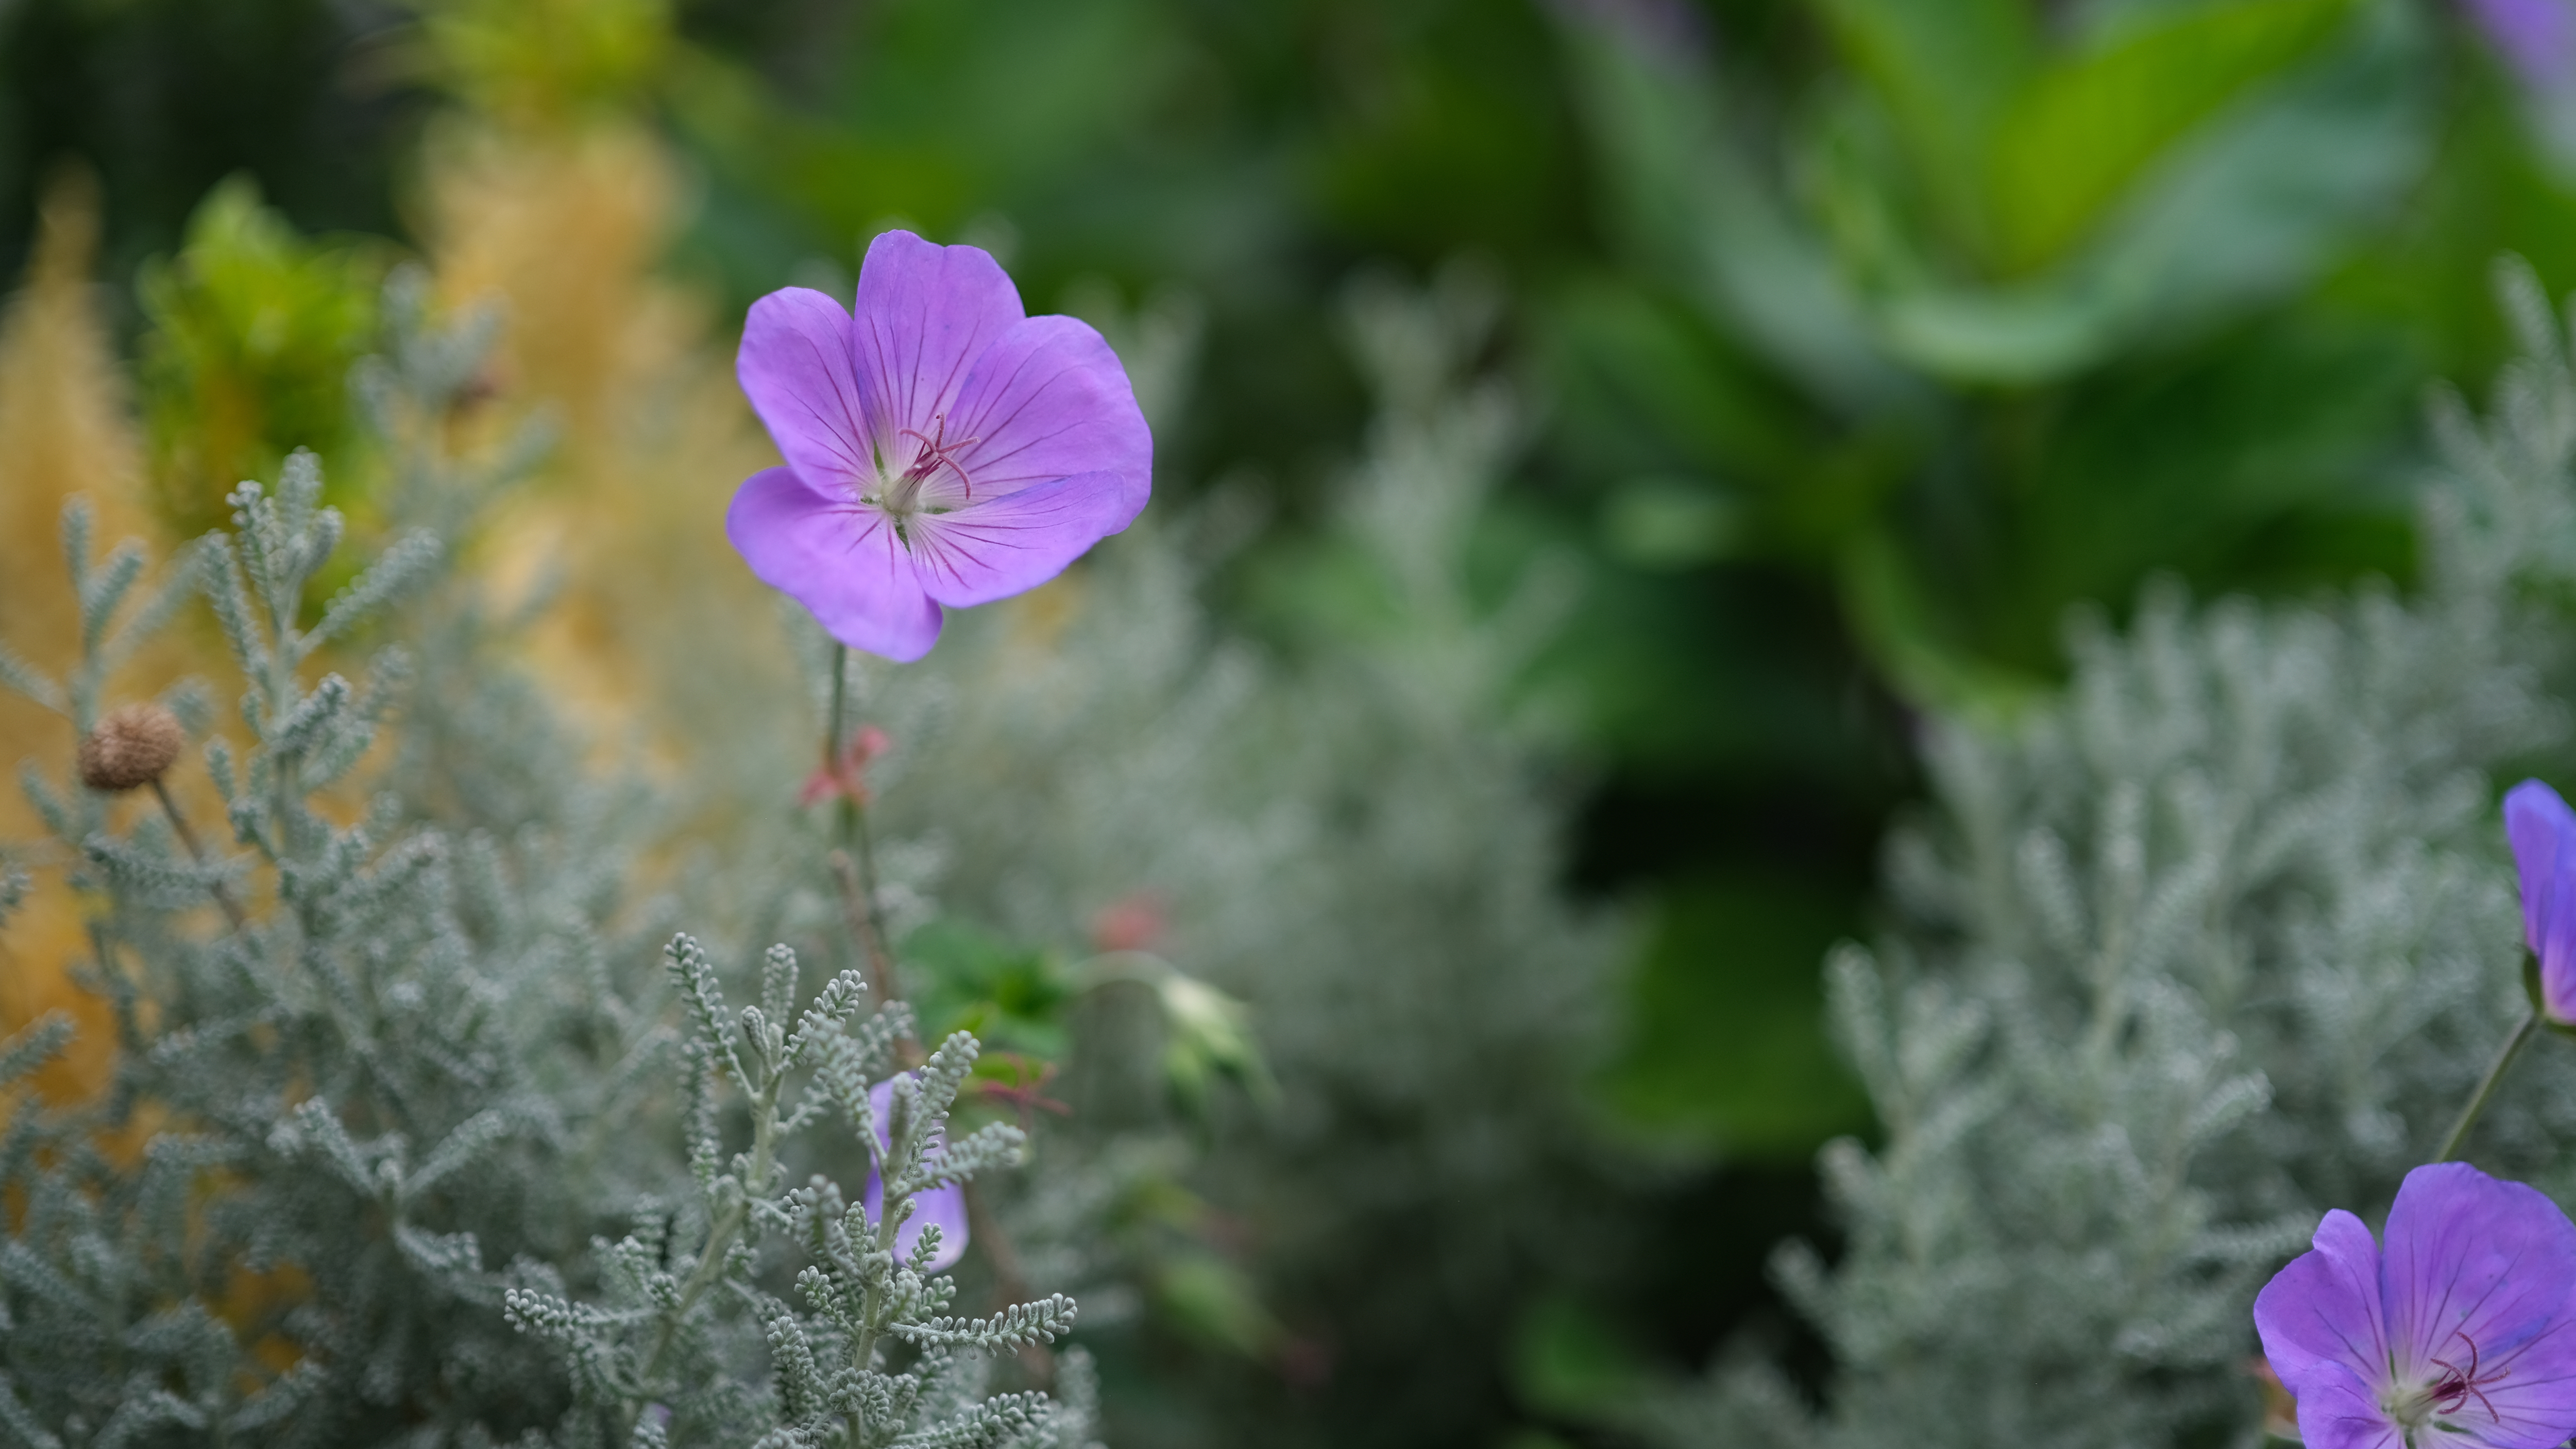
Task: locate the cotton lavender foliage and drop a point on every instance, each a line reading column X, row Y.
column 2221, row 938
column 865, row 1352
column 392, row 1084
column 1362, row 844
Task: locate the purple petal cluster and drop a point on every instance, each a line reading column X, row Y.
column 2543, row 833
column 941, row 1207
column 943, row 448
column 2462, row 1331
column 2536, row 37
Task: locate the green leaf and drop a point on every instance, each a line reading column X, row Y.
column 1901, row 625
column 1571, row 1362
column 2009, row 336
column 254, row 329
column 2236, row 214
column 1687, row 201
column 1214, row 1301
column 2088, row 126
column 1725, row 1044
column 1947, row 72
column 1645, row 386
column 964, row 978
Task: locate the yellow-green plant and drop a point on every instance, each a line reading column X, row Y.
column 254, row 329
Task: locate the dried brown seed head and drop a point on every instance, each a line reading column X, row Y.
column 130, row 748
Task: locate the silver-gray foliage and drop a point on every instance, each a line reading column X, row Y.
column 668, row 1356
column 388, row 1075
column 2220, row 938
column 1362, row 842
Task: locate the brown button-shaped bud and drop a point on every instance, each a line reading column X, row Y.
column 130, row 748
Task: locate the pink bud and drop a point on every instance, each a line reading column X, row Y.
column 1133, row 922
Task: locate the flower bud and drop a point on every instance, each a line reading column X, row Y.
column 130, row 748
column 1133, row 922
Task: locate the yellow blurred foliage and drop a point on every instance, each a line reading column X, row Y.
column 658, row 632
column 65, row 428
column 558, row 206
column 540, row 65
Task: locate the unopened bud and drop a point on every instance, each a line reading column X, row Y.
column 1133, row 922
column 130, row 748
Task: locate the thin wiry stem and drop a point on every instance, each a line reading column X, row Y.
column 187, row 837
column 2486, row 1088
column 840, row 699
column 853, row 865
column 859, row 908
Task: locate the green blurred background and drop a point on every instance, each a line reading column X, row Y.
column 1870, row 336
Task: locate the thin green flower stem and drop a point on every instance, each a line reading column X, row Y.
column 2486, row 1088
column 859, row 905
column 853, row 865
column 854, row 869
column 840, row 699
column 853, row 860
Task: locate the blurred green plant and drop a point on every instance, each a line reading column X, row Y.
column 254, row 329
column 1725, row 1048
column 964, row 977
column 1013, row 995
column 2011, row 313
column 1148, row 1220
column 1872, row 334
column 541, row 64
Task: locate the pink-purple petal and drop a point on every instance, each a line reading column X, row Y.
column 2482, row 1271
column 949, row 451
column 997, row 547
column 2322, row 1314
column 2338, row 1409
column 840, row 560
column 1049, row 400
column 2542, row 831
column 941, row 1207
column 2537, row 37
column 925, row 313
column 795, row 367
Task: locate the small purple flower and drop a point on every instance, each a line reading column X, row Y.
column 2536, row 37
column 2462, row 1332
column 2543, row 832
column 941, row 1207
column 943, row 449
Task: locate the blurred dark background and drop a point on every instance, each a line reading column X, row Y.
column 1868, row 338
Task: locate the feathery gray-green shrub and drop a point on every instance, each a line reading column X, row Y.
column 1361, row 842
column 436, row 1129
column 394, row 1068
column 2220, row 938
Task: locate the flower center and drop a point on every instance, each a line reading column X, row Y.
column 2458, row 1383
column 900, row 496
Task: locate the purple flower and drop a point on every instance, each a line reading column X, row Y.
column 940, row 1207
column 2543, row 832
column 2537, row 37
column 2463, row 1331
column 943, row 448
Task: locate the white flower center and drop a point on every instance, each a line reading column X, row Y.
column 2455, row 1389
column 899, row 495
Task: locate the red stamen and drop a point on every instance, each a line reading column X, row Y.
column 2457, row 1386
column 936, row 453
